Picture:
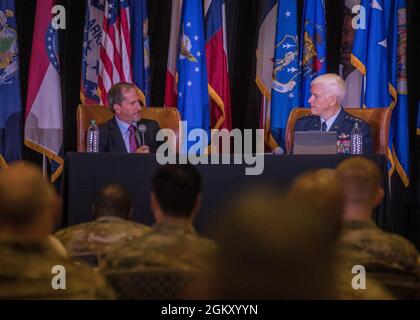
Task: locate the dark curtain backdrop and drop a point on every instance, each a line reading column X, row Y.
column 242, row 40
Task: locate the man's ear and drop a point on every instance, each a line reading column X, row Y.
column 155, row 207
column 333, row 100
column 130, row 214
column 153, row 201
column 197, row 205
column 54, row 211
column 379, row 196
column 117, row 108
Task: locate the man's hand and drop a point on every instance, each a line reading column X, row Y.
column 142, row 149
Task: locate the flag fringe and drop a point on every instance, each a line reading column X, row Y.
column 219, row 102
column 3, row 163
column 52, row 156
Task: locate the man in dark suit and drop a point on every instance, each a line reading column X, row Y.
column 327, row 93
column 121, row 134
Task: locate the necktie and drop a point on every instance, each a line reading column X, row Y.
column 132, row 138
column 324, row 126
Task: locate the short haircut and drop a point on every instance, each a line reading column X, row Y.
column 360, row 178
column 116, row 93
column 335, row 84
column 177, row 188
column 24, row 195
column 113, row 201
column 321, row 190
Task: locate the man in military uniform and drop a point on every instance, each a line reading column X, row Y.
column 327, row 93
column 172, row 243
column 361, row 241
column 321, row 190
column 29, row 207
column 112, row 208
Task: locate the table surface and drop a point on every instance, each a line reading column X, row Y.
column 86, row 173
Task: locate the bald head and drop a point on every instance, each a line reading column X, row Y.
column 113, row 201
column 26, row 199
column 361, row 179
column 322, row 190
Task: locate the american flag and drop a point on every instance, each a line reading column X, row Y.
column 115, row 53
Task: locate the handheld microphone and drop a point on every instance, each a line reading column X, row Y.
column 142, row 129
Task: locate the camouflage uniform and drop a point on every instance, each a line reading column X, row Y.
column 99, row 236
column 166, row 245
column 26, row 273
column 365, row 244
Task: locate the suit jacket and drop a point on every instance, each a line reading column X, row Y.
column 343, row 125
column 111, row 140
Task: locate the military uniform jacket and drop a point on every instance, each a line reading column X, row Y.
column 99, row 236
column 167, row 245
column 362, row 242
column 111, row 140
column 25, row 273
column 343, row 125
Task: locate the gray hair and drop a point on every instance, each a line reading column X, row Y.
column 335, row 84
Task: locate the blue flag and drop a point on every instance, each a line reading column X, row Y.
column 266, row 27
column 285, row 91
column 379, row 53
column 10, row 101
column 92, row 38
column 313, row 45
column 141, row 48
column 370, row 55
column 399, row 132
column 193, row 96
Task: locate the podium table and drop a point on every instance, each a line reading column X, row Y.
column 86, row 173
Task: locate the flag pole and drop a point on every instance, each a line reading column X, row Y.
column 44, row 167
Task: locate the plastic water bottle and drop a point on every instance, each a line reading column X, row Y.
column 356, row 139
column 92, row 137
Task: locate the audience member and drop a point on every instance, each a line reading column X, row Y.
column 323, row 191
column 29, row 207
column 172, row 242
column 111, row 208
column 274, row 248
column 361, row 238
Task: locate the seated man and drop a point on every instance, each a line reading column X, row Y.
column 361, row 239
column 111, row 208
column 327, row 93
column 29, row 207
column 172, row 243
column 321, row 190
column 121, row 133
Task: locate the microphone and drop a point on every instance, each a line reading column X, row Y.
column 142, row 129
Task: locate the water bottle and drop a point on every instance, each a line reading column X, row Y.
column 92, row 137
column 356, row 139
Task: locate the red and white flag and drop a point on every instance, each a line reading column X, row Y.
column 171, row 91
column 43, row 116
column 115, row 53
column 217, row 64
